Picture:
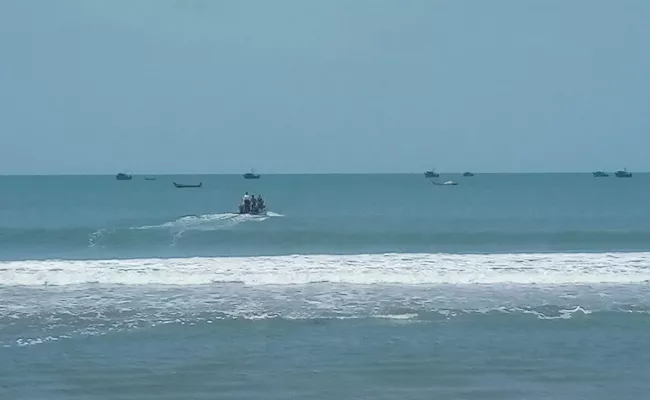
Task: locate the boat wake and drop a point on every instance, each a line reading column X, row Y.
column 176, row 228
column 207, row 222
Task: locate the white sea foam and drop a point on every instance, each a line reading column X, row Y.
column 208, row 221
column 367, row 269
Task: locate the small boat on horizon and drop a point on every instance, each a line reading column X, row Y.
column 183, row 186
column 623, row 173
column 149, row 179
column 123, row 177
column 467, row 174
column 431, row 174
column 600, row 174
column 251, row 175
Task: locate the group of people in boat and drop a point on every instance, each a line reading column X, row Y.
column 251, row 204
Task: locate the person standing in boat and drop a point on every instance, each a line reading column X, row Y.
column 247, row 203
column 253, row 203
column 260, row 202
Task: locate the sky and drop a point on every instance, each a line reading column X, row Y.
column 305, row 86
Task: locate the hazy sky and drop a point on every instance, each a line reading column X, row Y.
column 208, row 86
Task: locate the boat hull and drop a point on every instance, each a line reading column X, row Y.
column 256, row 212
column 252, row 213
column 181, row 186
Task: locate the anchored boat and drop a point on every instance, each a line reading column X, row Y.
column 623, row 173
column 431, row 174
column 251, row 175
column 123, row 177
column 183, row 186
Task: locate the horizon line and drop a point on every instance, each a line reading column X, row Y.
column 316, row 173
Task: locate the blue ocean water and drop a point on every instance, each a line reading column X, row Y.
column 353, row 286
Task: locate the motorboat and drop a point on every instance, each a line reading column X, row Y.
column 257, row 210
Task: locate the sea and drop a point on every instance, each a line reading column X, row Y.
column 506, row 286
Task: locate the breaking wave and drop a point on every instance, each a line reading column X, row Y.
column 55, row 300
column 363, row 269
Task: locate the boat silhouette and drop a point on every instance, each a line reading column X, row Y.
column 183, row 186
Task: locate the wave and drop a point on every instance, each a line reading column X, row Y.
column 364, row 269
column 60, row 299
column 25, row 331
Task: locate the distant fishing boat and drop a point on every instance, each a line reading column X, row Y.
column 123, row 177
column 623, row 173
column 149, row 179
column 467, row 174
column 251, row 175
column 600, row 174
column 183, row 186
column 431, row 174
